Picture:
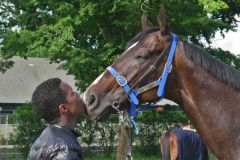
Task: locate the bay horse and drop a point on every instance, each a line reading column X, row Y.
column 182, row 144
column 206, row 88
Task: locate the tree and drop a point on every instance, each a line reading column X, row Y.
column 225, row 56
column 88, row 35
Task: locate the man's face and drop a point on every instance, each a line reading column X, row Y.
column 73, row 101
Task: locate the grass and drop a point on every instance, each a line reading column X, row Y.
column 113, row 157
column 101, row 156
column 137, row 156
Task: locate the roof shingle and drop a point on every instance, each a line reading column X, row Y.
column 18, row 83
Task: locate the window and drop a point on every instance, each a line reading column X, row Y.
column 3, row 119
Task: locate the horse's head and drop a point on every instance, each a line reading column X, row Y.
column 141, row 52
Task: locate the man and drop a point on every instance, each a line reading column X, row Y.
column 59, row 106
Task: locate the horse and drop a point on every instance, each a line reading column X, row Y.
column 182, row 144
column 207, row 89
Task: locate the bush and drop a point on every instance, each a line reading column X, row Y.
column 153, row 125
column 171, row 114
column 107, row 134
column 87, row 129
column 28, row 128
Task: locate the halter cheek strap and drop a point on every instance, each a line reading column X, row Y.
column 161, row 82
column 168, row 67
column 123, row 83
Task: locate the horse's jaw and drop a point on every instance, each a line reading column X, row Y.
column 104, row 115
column 103, row 111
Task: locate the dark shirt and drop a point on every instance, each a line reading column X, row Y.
column 190, row 145
column 57, row 142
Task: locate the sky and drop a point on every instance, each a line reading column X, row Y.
column 231, row 41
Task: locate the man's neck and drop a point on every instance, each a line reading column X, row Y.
column 67, row 121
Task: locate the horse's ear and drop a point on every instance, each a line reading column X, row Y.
column 146, row 23
column 162, row 21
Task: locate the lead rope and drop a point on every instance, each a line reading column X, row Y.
column 129, row 142
column 125, row 123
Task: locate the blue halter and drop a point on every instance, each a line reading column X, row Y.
column 133, row 111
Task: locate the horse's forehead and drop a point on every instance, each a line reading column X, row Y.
column 98, row 78
column 146, row 41
column 133, row 45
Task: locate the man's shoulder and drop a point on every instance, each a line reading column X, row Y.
column 54, row 136
column 57, row 134
column 54, row 141
column 49, row 137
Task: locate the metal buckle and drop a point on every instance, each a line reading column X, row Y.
column 121, row 81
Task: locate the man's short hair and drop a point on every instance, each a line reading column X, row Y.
column 46, row 99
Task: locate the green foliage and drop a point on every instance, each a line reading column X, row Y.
column 87, row 128
column 171, row 114
column 28, row 128
column 225, row 56
column 148, row 139
column 102, row 133
column 212, row 6
column 107, row 134
column 88, row 35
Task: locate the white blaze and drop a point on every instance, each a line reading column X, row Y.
column 132, row 46
column 94, row 82
column 98, row 79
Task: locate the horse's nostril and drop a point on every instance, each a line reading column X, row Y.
column 92, row 99
column 93, row 102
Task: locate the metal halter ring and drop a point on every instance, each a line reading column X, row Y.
column 115, row 105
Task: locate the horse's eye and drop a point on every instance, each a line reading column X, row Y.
column 143, row 56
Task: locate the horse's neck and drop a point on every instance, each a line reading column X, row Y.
column 211, row 105
column 193, row 86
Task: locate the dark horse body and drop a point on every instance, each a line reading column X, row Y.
column 208, row 89
column 180, row 144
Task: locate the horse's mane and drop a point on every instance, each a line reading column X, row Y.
column 218, row 69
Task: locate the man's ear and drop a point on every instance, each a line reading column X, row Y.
column 146, row 23
column 62, row 108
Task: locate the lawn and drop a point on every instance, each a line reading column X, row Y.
column 113, row 157
column 136, row 157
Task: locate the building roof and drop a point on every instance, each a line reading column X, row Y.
column 18, row 83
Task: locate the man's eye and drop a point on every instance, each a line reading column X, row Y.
column 73, row 93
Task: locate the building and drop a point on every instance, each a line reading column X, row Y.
column 18, row 83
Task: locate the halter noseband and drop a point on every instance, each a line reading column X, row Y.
column 132, row 94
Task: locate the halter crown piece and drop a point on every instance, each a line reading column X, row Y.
column 132, row 94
